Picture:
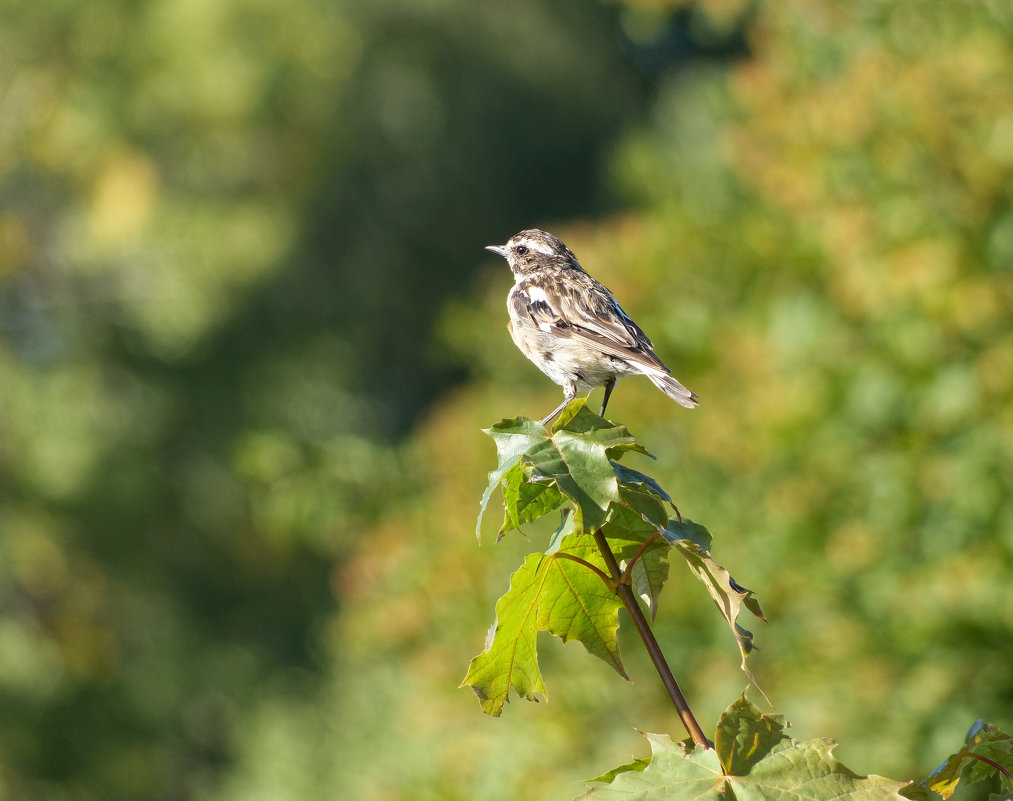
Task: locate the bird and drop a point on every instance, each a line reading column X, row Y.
column 572, row 328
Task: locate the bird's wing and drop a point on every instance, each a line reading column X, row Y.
column 593, row 316
column 600, row 313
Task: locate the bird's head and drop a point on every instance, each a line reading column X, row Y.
column 534, row 249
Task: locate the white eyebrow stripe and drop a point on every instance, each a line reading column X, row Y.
column 539, row 245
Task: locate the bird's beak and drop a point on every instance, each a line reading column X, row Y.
column 499, row 250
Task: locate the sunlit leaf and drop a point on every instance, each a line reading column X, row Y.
column 526, row 500
column 675, row 771
column 513, row 438
column 559, row 591
column 752, row 761
column 554, row 593
column 578, row 605
column 537, row 469
column 511, row 655
column 579, row 419
column 577, row 459
column 807, row 770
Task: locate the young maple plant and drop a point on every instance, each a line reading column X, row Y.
column 612, row 550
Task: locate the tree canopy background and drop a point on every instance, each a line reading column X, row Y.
column 248, row 337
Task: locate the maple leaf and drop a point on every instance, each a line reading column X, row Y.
column 752, row 760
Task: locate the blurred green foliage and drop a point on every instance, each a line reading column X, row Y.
column 248, row 336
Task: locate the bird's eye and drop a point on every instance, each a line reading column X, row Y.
column 521, row 250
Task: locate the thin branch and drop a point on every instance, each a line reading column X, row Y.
column 625, row 593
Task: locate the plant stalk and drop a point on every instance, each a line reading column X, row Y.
column 626, row 595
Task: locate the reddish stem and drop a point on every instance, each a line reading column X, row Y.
column 625, row 593
column 628, row 572
column 995, row 765
column 604, row 576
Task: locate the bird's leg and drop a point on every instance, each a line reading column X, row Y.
column 609, row 386
column 569, row 393
column 557, row 410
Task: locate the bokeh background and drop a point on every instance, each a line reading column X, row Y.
column 249, row 337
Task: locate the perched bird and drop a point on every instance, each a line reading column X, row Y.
column 571, row 326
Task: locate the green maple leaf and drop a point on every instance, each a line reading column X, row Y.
column 578, row 419
column 675, row 771
column 745, row 736
column 632, row 478
column 554, row 593
column 751, row 760
column 573, row 461
column 526, row 499
column 567, row 590
column 513, row 437
column 511, row 655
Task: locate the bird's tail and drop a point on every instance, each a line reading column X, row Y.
column 676, row 391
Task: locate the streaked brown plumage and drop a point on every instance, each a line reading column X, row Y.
column 571, row 326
